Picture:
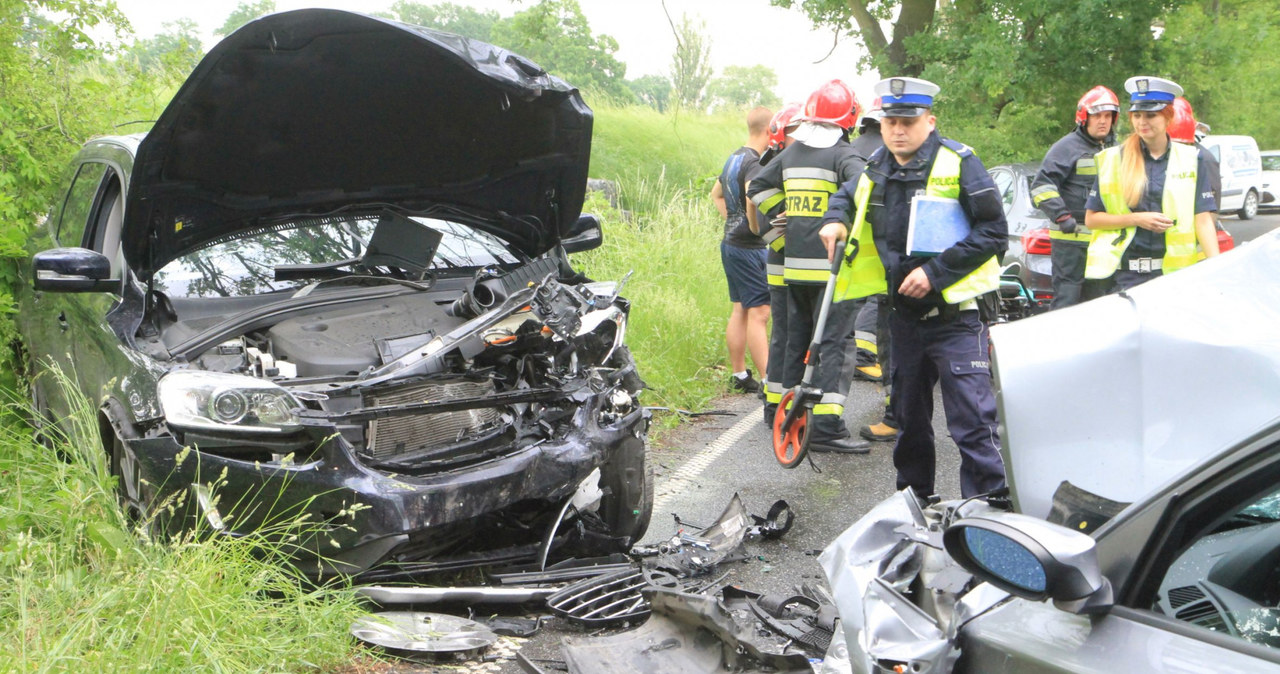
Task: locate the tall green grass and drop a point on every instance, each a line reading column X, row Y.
column 83, row 591
column 678, row 294
column 663, row 149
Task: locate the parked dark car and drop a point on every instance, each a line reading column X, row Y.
column 334, row 278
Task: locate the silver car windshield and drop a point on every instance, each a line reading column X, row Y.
column 245, row 266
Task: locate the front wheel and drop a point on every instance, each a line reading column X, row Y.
column 1250, row 207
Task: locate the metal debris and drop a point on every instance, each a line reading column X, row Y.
column 412, row 634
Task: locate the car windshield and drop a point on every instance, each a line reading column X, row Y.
column 247, row 265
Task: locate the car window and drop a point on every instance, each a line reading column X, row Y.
column 1004, row 183
column 1271, row 163
column 1228, row 579
column 246, row 265
column 78, row 204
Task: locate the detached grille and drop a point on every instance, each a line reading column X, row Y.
column 397, row 435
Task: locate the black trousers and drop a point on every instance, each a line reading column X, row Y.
column 833, row 370
column 773, row 388
column 954, row 352
column 1070, row 287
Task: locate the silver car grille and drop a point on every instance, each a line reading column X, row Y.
column 398, row 435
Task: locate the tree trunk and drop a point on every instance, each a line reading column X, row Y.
column 914, row 16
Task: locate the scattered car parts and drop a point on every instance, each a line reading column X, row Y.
column 435, row 636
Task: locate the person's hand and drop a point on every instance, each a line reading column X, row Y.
column 833, row 235
column 916, row 285
column 1067, row 225
column 1156, row 222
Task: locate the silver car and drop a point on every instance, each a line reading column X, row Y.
column 1150, row 441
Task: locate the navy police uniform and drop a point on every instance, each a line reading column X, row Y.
column 1060, row 189
column 934, row 341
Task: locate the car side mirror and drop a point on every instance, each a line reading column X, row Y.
column 1032, row 559
column 73, row 270
column 585, row 234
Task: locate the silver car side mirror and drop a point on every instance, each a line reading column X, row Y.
column 1032, row 559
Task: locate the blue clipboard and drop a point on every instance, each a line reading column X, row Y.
column 936, row 224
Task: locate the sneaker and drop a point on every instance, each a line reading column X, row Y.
column 880, row 432
column 746, row 384
column 870, row 372
column 839, row 446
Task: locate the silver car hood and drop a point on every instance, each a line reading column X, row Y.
column 1120, row 394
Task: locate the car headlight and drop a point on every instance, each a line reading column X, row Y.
column 226, row 402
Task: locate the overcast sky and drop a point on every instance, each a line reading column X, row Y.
column 743, row 32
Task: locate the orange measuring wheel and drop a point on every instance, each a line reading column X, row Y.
column 790, row 445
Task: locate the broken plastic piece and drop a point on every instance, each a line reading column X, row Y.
column 411, row 634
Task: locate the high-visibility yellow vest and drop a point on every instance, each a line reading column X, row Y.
column 864, row 275
column 1178, row 203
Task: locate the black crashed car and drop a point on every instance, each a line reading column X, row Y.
column 333, row 279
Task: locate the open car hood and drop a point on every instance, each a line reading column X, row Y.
column 305, row 112
column 1120, row 394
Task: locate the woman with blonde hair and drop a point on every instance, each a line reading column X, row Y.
column 1151, row 203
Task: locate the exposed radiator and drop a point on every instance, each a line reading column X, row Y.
column 397, row 435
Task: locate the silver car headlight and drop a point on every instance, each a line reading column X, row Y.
column 226, row 402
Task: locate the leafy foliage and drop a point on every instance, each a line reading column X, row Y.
column 742, row 87
column 556, row 35
column 691, row 62
column 652, row 90
column 244, row 13
column 449, row 17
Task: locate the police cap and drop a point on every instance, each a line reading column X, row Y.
column 905, row 96
column 1150, row 93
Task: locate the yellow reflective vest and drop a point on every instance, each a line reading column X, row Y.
column 1178, row 202
column 863, row 275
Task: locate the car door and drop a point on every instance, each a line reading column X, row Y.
column 1201, row 590
column 48, row 324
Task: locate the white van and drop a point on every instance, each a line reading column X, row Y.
column 1241, row 164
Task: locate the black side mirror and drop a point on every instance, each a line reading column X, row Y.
column 585, row 234
column 73, row 270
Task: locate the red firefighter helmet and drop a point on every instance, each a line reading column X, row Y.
column 832, row 103
column 787, row 116
column 875, row 113
column 1183, row 126
column 1095, row 100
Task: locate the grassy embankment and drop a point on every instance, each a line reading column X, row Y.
column 669, row 236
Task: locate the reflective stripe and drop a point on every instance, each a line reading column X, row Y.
column 808, row 184
column 1074, row 236
column 807, row 269
column 772, row 397
column 868, row 345
column 1106, row 248
column 775, row 269
column 810, row 172
column 806, row 275
column 808, row 263
column 862, row 273
column 1085, row 166
column 773, row 233
column 1044, row 193
column 774, row 274
column 766, row 200
column 778, row 244
column 832, row 409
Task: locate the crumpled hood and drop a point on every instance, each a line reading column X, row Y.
column 1123, row 393
column 309, row 111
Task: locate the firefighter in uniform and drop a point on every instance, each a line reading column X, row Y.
column 937, row 332
column 1061, row 187
column 1152, row 201
column 799, row 182
column 782, row 124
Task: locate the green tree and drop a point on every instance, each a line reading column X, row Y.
column 1215, row 50
column 691, row 62
column 652, row 90
column 244, row 13
column 176, row 49
column 889, row 53
column 556, row 35
column 742, row 87
column 465, row 21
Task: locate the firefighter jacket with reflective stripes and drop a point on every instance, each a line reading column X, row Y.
column 799, row 182
column 775, row 240
column 1062, row 184
column 880, row 201
column 1178, row 202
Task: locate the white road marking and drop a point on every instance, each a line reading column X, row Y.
column 684, row 477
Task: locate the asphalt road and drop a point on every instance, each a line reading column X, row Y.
column 703, row 463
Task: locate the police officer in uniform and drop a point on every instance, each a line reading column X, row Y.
column 782, row 124
column 934, row 321
column 1061, row 187
column 799, row 183
column 1152, row 202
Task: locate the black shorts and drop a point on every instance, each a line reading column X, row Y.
column 745, row 270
